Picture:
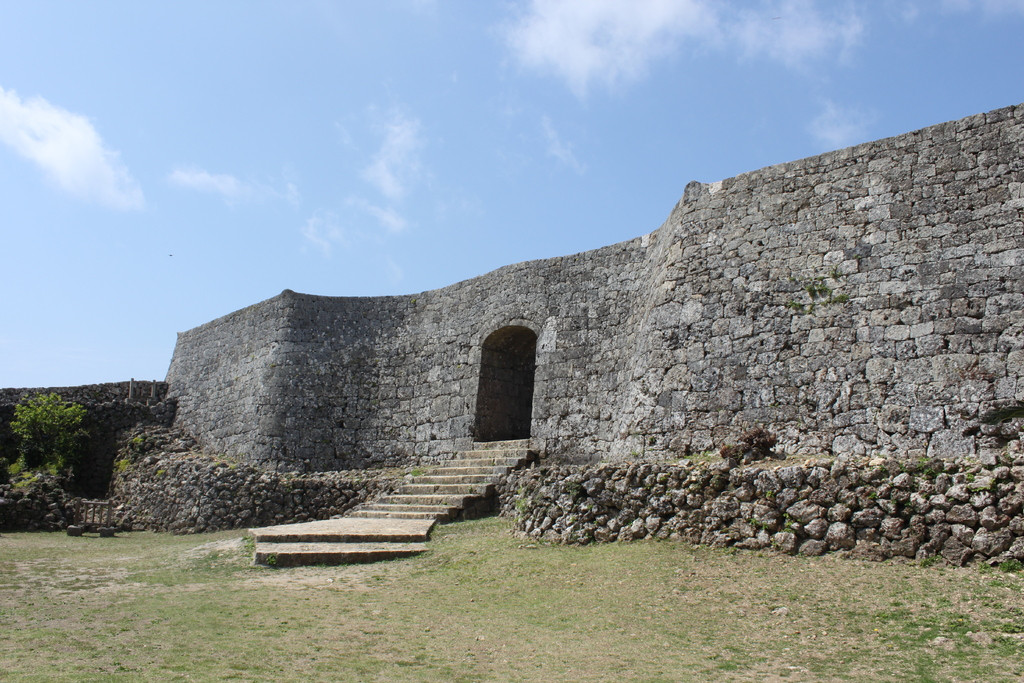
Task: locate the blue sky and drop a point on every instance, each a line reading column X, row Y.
column 163, row 164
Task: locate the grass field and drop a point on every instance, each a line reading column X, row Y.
column 484, row 605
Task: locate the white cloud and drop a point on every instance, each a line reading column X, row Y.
column 796, row 31
column 227, row 186
column 990, row 7
column 231, row 189
column 323, row 232
column 68, row 150
column 387, row 218
column 837, row 127
column 558, row 148
column 291, row 194
column 615, row 41
column 396, row 165
column 583, row 41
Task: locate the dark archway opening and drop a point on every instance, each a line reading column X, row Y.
column 504, row 400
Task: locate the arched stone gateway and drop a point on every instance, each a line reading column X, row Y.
column 504, row 399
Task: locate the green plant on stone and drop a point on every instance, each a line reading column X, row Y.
column 1011, row 566
column 49, row 432
column 22, row 480
column 818, row 292
column 795, row 305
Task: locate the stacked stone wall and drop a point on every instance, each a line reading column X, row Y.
column 162, row 483
column 41, row 504
column 877, row 509
column 111, row 409
column 382, row 382
column 868, row 301
column 199, row 494
column 227, row 386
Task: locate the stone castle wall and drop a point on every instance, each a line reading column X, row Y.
column 869, row 300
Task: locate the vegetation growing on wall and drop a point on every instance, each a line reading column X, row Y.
column 49, row 433
column 819, row 293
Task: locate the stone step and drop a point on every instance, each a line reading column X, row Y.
column 427, row 499
column 396, row 524
column 346, row 530
column 417, row 488
column 384, row 507
column 485, row 455
column 477, row 478
column 441, row 513
column 511, row 444
column 483, row 462
column 304, row 554
column 440, row 516
column 457, row 471
column 493, row 452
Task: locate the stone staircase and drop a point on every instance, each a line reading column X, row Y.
column 399, row 523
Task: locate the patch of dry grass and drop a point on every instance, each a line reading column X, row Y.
column 483, row 605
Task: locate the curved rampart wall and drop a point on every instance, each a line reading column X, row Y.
column 865, row 300
column 308, row 382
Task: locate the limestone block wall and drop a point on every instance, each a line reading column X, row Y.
column 308, row 383
column 868, row 300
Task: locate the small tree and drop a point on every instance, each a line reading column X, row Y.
column 49, row 431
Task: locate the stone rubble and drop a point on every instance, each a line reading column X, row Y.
column 41, row 503
column 875, row 508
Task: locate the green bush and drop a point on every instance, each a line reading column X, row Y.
column 49, row 432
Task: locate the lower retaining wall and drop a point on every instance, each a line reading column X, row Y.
column 41, row 503
column 874, row 509
column 188, row 492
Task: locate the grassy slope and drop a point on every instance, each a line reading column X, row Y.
column 484, row 605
